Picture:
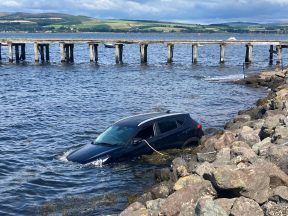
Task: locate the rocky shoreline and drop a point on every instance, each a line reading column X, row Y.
column 241, row 170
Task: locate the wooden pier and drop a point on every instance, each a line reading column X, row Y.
column 17, row 48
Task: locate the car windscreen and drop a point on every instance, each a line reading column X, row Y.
column 116, row 135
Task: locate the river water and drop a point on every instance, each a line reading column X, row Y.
column 48, row 110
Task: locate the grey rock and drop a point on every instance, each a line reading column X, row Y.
column 133, row 209
column 243, row 155
column 273, row 209
column 145, row 197
column 208, row 156
column 280, row 195
column 155, row 205
column 264, row 143
column 249, row 136
column 246, row 207
column 223, row 157
column 226, row 204
column 242, row 118
column 179, row 167
column 161, row 190
column 207, row 207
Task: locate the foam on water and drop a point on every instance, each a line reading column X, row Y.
column 232, row 77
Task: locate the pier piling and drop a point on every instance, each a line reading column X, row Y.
column 23, row 52
column 119, row 53
column 62, row 52
column 170, row 49
column 93, row 52
column 0, row 52
column 17, row 54
column 279, row 54
column 222, row 53
column 143, row 53
column 47, row 53
column 271, row 53
column 10, row 52
column 248, row 56
column 194, row 53
column 41, row 49
column 36, row 57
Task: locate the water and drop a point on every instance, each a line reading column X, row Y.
column 46, row 111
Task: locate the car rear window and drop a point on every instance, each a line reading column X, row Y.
column 166, row 126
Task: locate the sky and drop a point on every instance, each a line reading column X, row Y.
column 190, row 11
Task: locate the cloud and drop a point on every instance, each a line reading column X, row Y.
column 193, row 10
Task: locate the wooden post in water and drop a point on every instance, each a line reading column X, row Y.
column 248, row 56
column 62, row 52
column 194, row 53
column 279, row 54
column 170, row 49
column 42, row 57
column 36, row 56
column 71, row 53
column 47, row 53
column 119, row 53
column 222, row 53
column 67, row 54
column 143, row 53
column 271, row 53
column 93, row 52
column 23, row 52
column 0, row 52
column 17, row 56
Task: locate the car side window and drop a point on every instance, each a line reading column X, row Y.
column 146, row 133
column 166, row 126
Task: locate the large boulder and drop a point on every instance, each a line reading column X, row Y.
column 260, row 145
column 271, row 122
column 281, row 132
column 226, row 204
column 207, row 156
column 135, row 209
column 163, row 174
column 179, row 166
column 207, row 207
column 155, row 205
column 249, row 182
column 225, row 140
column 277, row 154
column 279, row 195
column 246, row 207
column 271, row 208
column 186, row 196
column 204, row 169
column 276, row 175
column 162, row 190
column 186, row 181
column 249, row 136
column 242, row 155
column 223, row 157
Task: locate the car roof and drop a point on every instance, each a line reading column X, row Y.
column 140, row 119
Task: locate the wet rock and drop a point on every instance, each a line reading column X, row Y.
column 192, row 166
column 260, row 145
column 144, row 198
column 255, row 112
column 226, row 204
column 273, row 209
column 186, row 181
column 276, row 175
column 242, row 118
column 187, row 196
column 134, row 209
column 207, row 143
column 155, row 205
column 163, row 174
column 249, row 182
column 246, row 207
column 225, row 140
column 207, row 207
column 179, row 167
column 256, row 124
column 162, row 190
column 208, row 156
column 280, row 195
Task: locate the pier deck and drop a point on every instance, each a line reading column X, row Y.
column 41, row 47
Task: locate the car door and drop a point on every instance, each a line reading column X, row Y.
column 168, row 134
column 145, row 135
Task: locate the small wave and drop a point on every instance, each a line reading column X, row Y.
column 64, row 156
column 97, row 163
column 225, row 78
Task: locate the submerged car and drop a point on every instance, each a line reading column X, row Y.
column 141, row 134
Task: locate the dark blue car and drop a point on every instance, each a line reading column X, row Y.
column 138, row 135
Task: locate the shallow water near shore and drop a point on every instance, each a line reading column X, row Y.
column 48, row 110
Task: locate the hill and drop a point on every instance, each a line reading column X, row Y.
column 57, row 22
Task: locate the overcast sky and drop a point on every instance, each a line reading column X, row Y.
column 193, row 11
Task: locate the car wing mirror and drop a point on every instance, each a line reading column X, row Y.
column 137, row 141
